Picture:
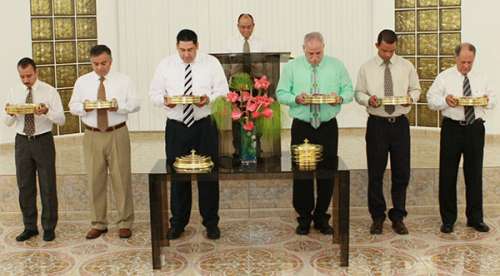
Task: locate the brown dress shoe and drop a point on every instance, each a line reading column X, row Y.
column 399, row 227
column 95, row 233
column 377, row 226
column 124, row 233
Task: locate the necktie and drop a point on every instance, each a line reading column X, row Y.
column 188, row 110
column 102, row 114
column 315, row 108
column 468, row 110
column 246, row 62
column 246, row 46
column 29, row 119
column 388, row 89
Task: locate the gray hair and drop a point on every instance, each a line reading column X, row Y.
column 313, row 36
column 465, row 45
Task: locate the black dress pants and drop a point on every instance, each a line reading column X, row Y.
column 456, row 140
column 37, row 155
column 303, row 182
column 202, row 136
column 386, row 136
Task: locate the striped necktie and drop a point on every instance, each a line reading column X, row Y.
column 188, row 110
column 29, row 119
column 468, row 110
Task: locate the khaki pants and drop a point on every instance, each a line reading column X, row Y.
column 109, row 151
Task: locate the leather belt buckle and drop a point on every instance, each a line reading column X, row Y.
column 391, row 120
column 462, row 123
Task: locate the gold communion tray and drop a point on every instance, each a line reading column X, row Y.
column 307, row 155
column 473, row 101
column 396, row 100
column 100, row 104
column 185, row 99
column 21, row 108
column 321, row 99
column 193, row 163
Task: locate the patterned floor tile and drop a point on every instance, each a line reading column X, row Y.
column 367, row 261
column 303, row 245
column 249, row 261
column 255, row 232
column 195, row 247
column 131, row 262
column 34, row 262
column 409, row 244
column 466, row 259
column 429, row 226
column 66, row 234
column 89, row 249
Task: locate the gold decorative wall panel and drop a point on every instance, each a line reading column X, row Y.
column 405, row 21
column 406, row 45
column 41, row 7
column 64, row 7
column 427, row 3
column 428, row 32
column 412, row 116
column 65, row 52
column 41, row 29
column 427, row 20
column 401, row 4
column 43, row 53
column 66, row 75
column 63, row 31
column 47, row 74
column 450, row 20
column 427, row 44
column 64, row 28
column 85, row 7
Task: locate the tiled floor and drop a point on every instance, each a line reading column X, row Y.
column 257, row 246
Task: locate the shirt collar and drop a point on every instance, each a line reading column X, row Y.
column 34, row 87
column 181, row 62
column 381, row 62
column 97, row 77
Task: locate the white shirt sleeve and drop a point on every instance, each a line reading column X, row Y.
column 76, row 101
column 436, row 95
column 157, row 90
column 8, row 119
column 130, row 103
column 56, row 110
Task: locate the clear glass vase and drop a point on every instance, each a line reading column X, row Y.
column 248, row 147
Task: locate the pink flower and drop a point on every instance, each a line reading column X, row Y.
column 252, row 105
column 267, row 113
column 261, row 83
column 255, row 114
column 245, row 96
column 264, row 100
column 232, row 96
column 236, row 114
column 248, row 126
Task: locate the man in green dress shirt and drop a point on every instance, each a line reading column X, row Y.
column 314, row 73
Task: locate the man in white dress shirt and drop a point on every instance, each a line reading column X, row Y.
column 387, row 130
column 106, row 142
column 462, row 133
column 190, row 126
column 246, row 43
column 34, row 149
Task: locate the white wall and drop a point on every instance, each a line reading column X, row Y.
column 141, row 33
column 15, row 28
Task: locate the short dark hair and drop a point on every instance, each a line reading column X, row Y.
column 187, row 35
column 387, row 36
column 97, row 50
column 464, row 45
column 25, row 62
column 245, row 14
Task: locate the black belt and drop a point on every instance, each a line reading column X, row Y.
column 120, row 125
column 462, row 123
column 390, row 120
column 33, row 137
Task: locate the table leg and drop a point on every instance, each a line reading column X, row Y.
column 344, row 216
column 156, row 217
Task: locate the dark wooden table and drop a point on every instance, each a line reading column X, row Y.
column 159, row 208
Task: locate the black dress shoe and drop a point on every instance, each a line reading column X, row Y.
column 399, row 227
column 174, row 233
column 376, row 227
column 213, row 232
column 323, row 227
column 49, row 235
column 26, row 235
column 302, row 229
column 447, row 228
column 480, row 227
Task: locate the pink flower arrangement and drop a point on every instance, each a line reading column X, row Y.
column 248, row 108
